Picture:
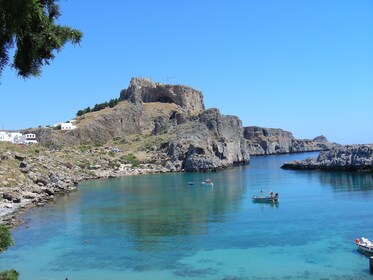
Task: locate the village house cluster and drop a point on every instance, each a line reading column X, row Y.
column 18, row 138
column 30, row 138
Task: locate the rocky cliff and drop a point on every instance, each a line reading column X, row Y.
column 346, row 158
column 145, row 91
column 207, row 142
column 267, row 141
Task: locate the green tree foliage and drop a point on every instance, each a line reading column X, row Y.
column 9, row 275
column 5, row 242
column 29, row 27
column 84, row 111
column 5, row 238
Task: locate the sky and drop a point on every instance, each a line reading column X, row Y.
column 305, row 66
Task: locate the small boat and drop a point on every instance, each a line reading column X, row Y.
column 208, row 182
column 364, row 245
column 191, row 183
column 265, row 198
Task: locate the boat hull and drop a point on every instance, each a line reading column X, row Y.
column 264, row 199
column 365, row 249
column 364, row 246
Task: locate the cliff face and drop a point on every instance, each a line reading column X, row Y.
column 208, row 142
column 145, row 91
column 267, row 141
column 346, row 158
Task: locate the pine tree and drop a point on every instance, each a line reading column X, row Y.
column 30, row 27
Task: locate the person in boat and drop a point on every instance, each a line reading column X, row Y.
column 271, row 194
column 261, row 192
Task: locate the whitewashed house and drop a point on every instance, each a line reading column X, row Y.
column 13, row 137
column 67, row 126
column 28, row 138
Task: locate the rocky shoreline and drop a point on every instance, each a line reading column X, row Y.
column 28, row 180
column 357, row 158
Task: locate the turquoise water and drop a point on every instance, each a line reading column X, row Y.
column 159, row 227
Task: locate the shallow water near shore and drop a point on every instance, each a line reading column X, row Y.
column 160, row 227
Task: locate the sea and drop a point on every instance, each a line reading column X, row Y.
column 171, row 226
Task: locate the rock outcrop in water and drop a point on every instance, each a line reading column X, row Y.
column 268, row 141
column 341, row 158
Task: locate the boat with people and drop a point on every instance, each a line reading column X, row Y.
column 271, row 197
column 208, row 182
column 364, row 245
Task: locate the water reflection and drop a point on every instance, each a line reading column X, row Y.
column 262, row 205
column 347, row 181
column 149, row 209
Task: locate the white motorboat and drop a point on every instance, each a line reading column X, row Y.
column 364, row 245
column 265, row 198
column 208, row 182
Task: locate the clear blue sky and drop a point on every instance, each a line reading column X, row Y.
column 305, row 66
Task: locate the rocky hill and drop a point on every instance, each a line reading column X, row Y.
column 345, row 158
column 185, row 136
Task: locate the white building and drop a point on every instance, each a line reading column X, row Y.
column 28, row 138
column 13, row 137
column 67, row 126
